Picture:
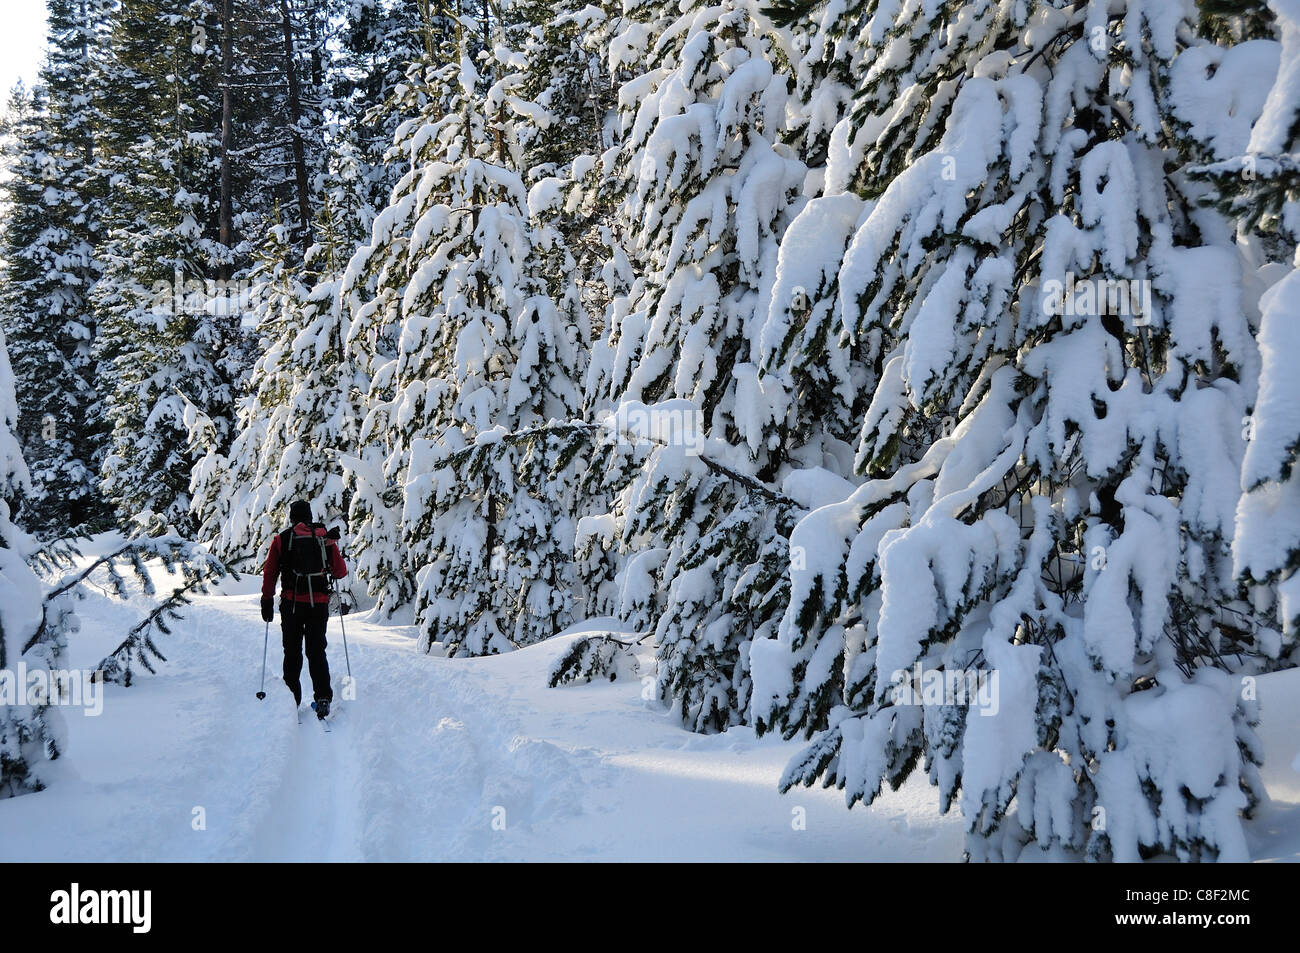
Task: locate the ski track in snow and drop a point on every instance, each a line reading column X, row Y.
column 440, row 759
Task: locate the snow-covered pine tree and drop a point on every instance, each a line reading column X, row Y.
column 370, row 289
column 52, row 225
column 707, row 186
column 31, row 630
column 298, row 413
column 1062, row 364
column 1261, row 188
column 163, row 343
column 203, row 180
column 567, row 92
column 480, row 352
column 35, row 622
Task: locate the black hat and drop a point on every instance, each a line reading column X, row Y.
column 300, row 512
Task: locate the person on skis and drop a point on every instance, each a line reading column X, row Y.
column 306, row 560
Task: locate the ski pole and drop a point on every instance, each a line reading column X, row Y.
column 266, row 637
column 344, row 629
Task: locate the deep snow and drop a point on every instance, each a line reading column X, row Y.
column 420, row 765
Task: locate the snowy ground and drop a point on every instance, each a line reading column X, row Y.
column 434, row 754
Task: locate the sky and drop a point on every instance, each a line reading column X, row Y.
column 22, row 43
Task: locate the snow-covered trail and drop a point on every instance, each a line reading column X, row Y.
column 439, row 759
column 434, row 759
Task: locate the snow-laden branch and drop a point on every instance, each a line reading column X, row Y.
column 608, row 431
column 197, row 567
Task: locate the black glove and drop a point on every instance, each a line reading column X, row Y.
column 333, row 533
column 268, row 607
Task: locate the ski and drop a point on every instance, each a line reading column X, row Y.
column 324, row 722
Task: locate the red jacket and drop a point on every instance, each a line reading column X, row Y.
column 271, row 571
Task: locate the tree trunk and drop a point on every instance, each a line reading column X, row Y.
column 87, row 137
column 317, row 63
column 225, row 227
column 295, row 130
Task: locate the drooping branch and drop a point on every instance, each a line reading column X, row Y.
column 556, row 428
column 139, row 646
column 197, row 567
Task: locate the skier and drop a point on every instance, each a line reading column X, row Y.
column 306, row 558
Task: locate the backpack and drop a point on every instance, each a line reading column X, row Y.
column 304, row 562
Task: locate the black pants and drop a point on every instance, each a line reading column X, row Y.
column 301, row 623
